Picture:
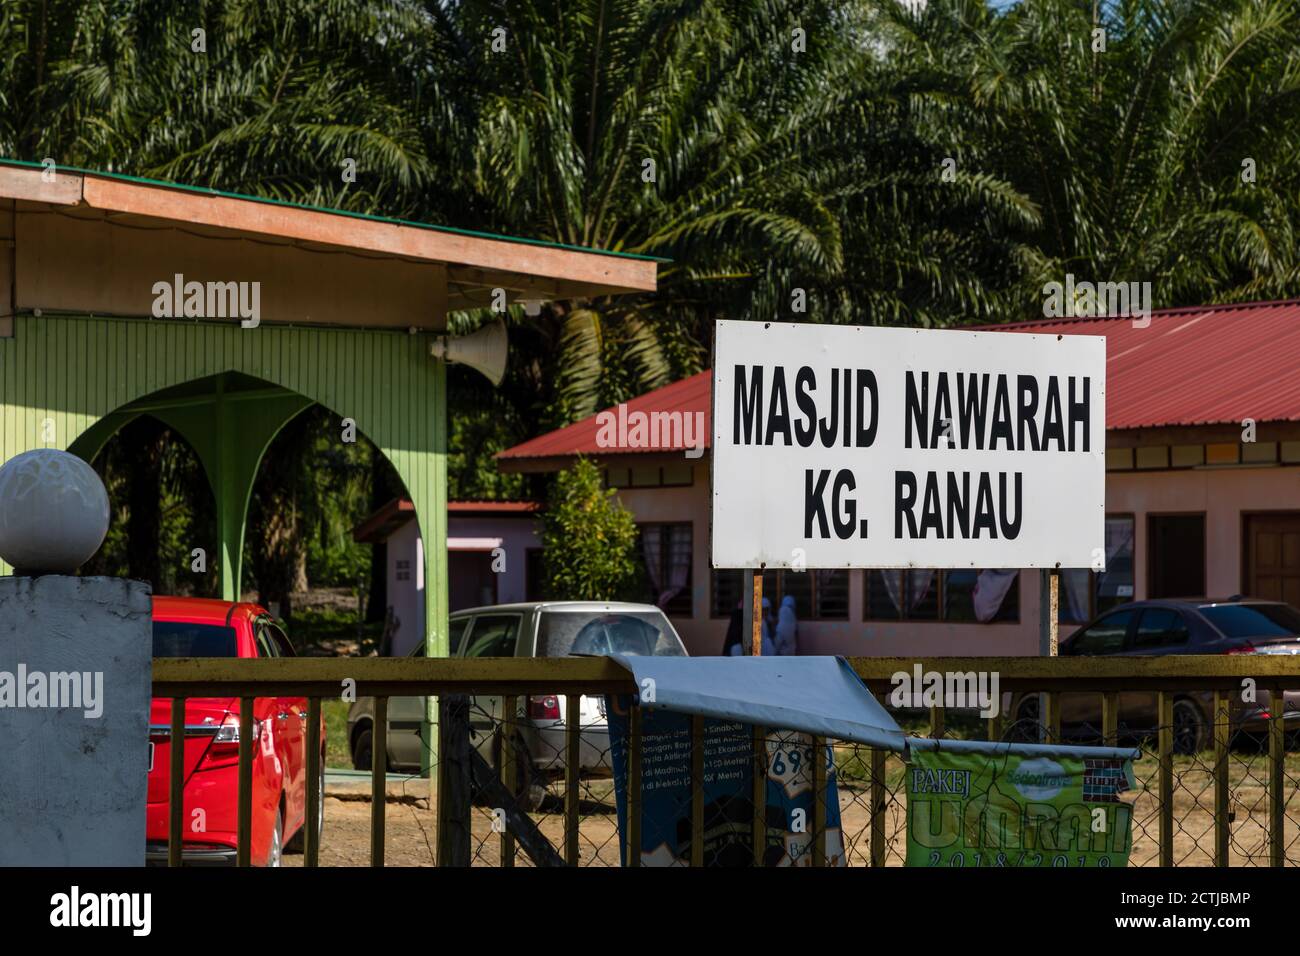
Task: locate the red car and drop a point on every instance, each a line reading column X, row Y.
column 199, row 627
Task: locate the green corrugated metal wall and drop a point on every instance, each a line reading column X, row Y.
column 61, row 374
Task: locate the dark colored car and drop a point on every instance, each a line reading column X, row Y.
column 1234, row 625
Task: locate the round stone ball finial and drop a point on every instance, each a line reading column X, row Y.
column 53, row 512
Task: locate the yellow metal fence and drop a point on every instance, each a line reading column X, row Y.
column 1223, row 800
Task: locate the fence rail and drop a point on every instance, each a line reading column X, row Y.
column 1248, row 820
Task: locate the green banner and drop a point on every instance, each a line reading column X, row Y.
column 966, row 809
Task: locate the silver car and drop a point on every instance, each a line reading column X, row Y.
column 535, row 629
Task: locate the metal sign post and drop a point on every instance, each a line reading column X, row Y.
column 753, row 611
column 746, row 606
column 1049, row 610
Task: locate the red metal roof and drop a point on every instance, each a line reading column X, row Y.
column 380, row 525
column 1199, row 365
column 688, row 396
column 493, row 507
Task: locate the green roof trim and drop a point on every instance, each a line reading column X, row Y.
column 209, row 191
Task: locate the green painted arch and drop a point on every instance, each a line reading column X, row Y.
column 229, row 430
column 91, row 442
column 61, row 375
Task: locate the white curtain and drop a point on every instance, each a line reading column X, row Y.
column 919, row 583
column 918, row 586
column 1119, row 538
column 652, row 544
column 679, row 564
column 893, row 581
column 1077, row 582
column 991, row 588
column 679, row 560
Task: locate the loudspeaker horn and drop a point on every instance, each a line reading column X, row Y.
column 485, row 350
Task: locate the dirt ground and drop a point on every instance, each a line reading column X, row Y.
column 411, row 826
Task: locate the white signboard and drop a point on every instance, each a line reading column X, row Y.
column 860, row 447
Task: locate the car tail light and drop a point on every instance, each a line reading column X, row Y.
column 225, row 743
column 546, row 707
column 1243, row 649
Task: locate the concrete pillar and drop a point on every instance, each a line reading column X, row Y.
column 75, row 686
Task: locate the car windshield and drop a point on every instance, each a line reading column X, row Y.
column 1254, row 620
column 635, row 633
column 177, row 639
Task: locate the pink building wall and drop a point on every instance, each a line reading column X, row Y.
column 1223, row 494
column 406, row 595
column 854, row 637
column 516, row 536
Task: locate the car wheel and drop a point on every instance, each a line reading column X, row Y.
column 275, row 852
column 363, row 750
column 1189, row 728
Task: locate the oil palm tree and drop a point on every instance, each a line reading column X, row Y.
column 269, row 98
column 757, row 147
column 1155, row 136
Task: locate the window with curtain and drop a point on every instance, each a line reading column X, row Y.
column 818, row 595
column 666, row 550
column 726, row 591
column 902, row 595
column 976, row 596
column 1086, row 593
column 798, row 584
column 981, row 596
column 831, row 594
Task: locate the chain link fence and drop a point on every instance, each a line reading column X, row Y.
column 518, row 784
column 1177, row 825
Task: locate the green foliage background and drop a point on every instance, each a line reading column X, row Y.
column 589, row 539
column 797, row 146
